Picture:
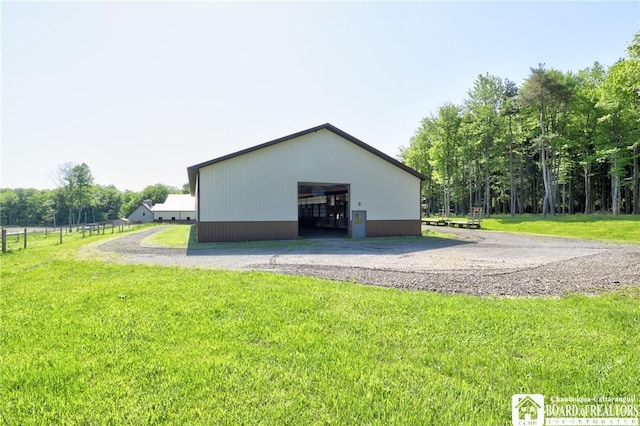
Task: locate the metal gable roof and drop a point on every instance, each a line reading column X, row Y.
column 176, row 202
column 192, row 171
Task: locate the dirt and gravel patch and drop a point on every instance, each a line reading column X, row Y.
column 470, row 262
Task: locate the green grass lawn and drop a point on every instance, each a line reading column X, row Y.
column 87, row 342
column 607, row 228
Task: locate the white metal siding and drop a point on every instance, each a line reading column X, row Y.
column 141, row 214
column 197, row 203
column 262, row 185
column 178, row 215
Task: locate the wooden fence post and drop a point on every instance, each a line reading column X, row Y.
column 4, row 240
column 25, row 238
column 60, row 235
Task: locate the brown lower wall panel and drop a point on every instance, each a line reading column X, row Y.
column 288, row 230
column 247, row 231
column 393, row 228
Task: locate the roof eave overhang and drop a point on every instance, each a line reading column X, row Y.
column 192, row 173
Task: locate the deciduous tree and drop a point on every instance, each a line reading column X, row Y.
column 547, row 94
column 76, row 183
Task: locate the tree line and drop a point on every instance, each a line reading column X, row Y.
column 77, row 199
column 561, row 142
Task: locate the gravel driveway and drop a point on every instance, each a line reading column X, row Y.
column 471, row 262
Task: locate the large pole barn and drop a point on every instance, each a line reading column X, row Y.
column 320, row 181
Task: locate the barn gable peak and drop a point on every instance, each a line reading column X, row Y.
column 192, row 171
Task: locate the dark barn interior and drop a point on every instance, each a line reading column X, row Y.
column 323, row 210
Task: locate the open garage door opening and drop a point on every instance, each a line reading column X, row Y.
column 323, row 210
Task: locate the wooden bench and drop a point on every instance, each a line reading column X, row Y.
column 473, row 220
column 443, row 220
column 434, row 222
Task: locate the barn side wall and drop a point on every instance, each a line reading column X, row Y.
column 166, row 215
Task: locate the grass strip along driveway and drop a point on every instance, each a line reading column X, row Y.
column 88, row 342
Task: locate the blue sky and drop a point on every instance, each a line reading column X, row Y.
column 141, row 90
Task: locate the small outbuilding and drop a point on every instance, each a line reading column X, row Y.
column 143, row 213
column 317, row 181
column 176, row 208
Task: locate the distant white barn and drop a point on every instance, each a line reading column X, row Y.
column 143, row 213
column 177, row 207
column 318, row 180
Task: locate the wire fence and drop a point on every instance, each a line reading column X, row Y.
column 15, row 238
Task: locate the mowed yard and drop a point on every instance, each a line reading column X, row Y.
column 83, row 341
